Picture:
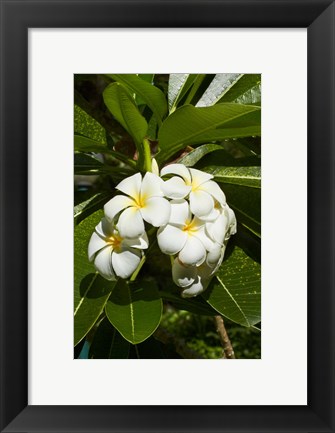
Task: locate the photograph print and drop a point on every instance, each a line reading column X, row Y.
column 167, row 216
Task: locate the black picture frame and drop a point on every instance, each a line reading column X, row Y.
column 16, row 17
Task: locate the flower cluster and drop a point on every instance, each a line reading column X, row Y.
column 193, row 219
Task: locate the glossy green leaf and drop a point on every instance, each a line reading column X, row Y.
column 85, row 125
column 235, row 292
column 91, row 291
column 135, row 309
column 122, row 106
column 193, row 93
column 179, row 84
column 84, row 163
column 148, row 78
column 84, row 209
column 217, row 88
column 87, row 145
column 246, row 203
column 195, row 155
column 245, row 176
column 108, row 343
column 189, row 126
column 246, row 90
column 152, row 96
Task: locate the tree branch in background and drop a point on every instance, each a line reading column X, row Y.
column 228, row 351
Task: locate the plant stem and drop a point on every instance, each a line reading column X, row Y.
column 147, row 155
column 137, row 270
column 228, row 351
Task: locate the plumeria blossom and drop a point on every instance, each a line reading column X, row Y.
column 223, row 226
column 184, row 234
column 193, row 219
column 144, row 201
column 202, row 191
column 114, row 255
column 193, row 280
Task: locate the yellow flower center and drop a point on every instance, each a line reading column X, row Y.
column 140, row 201
column 115, row 241
column 190, row 227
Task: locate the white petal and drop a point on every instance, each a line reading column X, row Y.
column 154, row 166
column 131, row 185
column 217, row 229
column 213, row 188
column 105, row 228
column 156, row 211
column 214, row 255
column 171, row 239
column 206, row 241
column 198, row 286
column 199, row 177
column 178, row 169
column 130, row 223
column 125, row 262
column 141, row 242
column 103, row 263
column 95, row 244
column 232, row 221
column 193, row 252
column 151, row 186
column 183, row 275
column 117, row 204
column 180, row 212
column 212, row 215
column 175, row 188
column 201, row 203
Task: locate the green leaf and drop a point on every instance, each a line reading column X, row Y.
column 122, row 106
column 88, row 165
column 245, row 176
column 246, row 203
column 135, row 309
column 148, row 78
column 189, row 125
column 247, row 90
column 194, row 305
column 235, row 292
column 85, row 163
column 108, row 343
column 179, row 84
column 85, row 144
column 91, row 291
column 217, row 88
column 195, row 155
column 197, row 83
column 85, row 125
column 84, row 209
column 152, row 96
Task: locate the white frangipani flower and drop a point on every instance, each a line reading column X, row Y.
column 223, row 226
column 184, row 234
column 144, row 201
column 154, row 167
column 193, row 280
column 201, row 189
column 114, row 255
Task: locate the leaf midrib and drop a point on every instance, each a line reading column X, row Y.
column 131, row 313
column 233, row 299
column 85, row 293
